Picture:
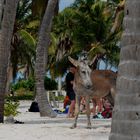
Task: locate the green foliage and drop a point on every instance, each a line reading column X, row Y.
column 28, row 96
column 94, row 20
column 59, row 98
column 10, row 108
column 28, row 39
column 38, row 7
column 26, row 84
column 23, row 41
column 29, row 84
column 50, row 84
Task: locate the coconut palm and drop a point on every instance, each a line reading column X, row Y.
column 96, row 37
column 26, row 27
column 5, row 41
column 39, row 6
column 118, row 15
column 22, row 43
column 41, row 56
column 55, row 66
column 126, row 114
column 87, row 25
column 24, row 37
column 1, row 10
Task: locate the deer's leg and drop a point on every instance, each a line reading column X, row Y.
column 77, row 110
column 110, row 99
column 88, row 112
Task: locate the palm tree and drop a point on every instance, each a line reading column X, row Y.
column 126, row 115
column 24, row 37
column 41, row 57
column 93, row 20
column 93, row 30
column 22, row 44
column 5, row 42
column 39, row 6
column 118, row 15
column 1, row 10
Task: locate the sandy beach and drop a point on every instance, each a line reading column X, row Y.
column 44, row 128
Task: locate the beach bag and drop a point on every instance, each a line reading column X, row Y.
column 34, row 107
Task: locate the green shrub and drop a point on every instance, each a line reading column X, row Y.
column 27, row 84
column 30, row 84
column 21, row 94
column 21, row 97
column 10, row 108
column 50, row 84
column 59, row 98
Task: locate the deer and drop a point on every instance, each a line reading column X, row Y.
column 90, row 83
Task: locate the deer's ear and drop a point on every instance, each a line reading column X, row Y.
column 73, row 61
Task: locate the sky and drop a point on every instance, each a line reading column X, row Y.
column 65, row 3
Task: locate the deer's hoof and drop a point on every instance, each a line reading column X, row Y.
column 73, row 126
column 89, row 126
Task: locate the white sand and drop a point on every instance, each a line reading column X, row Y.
column 44, row 128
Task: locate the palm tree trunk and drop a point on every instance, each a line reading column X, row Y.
column 1, row 10
column 118, row 21
column 5, row 42
column 9, row 79
column 40, row 66
column 126, row 115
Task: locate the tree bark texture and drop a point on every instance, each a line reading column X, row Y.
column 1, row 10
column 126, row 114
column 5, row 42
column 41, row 59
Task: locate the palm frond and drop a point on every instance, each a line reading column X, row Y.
column 27, row 37
column 33, row 24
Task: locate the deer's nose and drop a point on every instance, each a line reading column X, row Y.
column 88, row 86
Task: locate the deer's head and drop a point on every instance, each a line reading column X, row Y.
column 83, row 70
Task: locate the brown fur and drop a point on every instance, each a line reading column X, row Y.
column 103, row 81
column 100, row 83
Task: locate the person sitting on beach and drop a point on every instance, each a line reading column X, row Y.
column 97, row 107
column 67, row 102
column 107, row 112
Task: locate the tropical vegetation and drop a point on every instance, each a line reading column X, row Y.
column 33, row 40
column 90, row 26
column 94, row 26
column 11, row 108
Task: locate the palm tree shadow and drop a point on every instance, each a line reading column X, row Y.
column 67, row 123
column 49, row 121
